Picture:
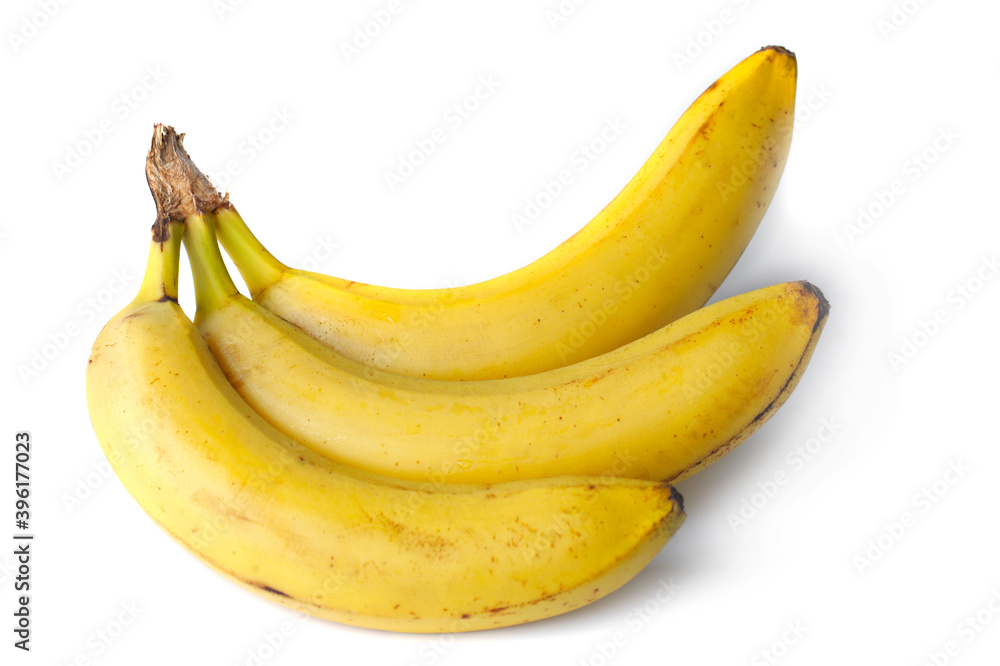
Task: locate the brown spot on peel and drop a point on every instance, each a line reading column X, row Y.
column 267, row 588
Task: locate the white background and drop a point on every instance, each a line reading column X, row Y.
column 824, row 553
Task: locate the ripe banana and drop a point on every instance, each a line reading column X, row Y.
column 659, row 408
column 657, row 252
column 334, row 542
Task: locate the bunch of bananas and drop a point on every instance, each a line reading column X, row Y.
column 510, row 456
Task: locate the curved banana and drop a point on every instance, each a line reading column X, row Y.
column 659, row 408
column 657, row 252
column 334, row 542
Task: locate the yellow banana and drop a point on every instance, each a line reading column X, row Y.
column 659, row 408
column 657, row 252
column 331, row 541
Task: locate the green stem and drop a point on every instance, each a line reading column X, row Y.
column 258, row 267
column 163, row 265
column 213, row 286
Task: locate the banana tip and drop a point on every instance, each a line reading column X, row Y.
column 779, row 49
column 813, row 295
column 822, row 303
column 675, row 497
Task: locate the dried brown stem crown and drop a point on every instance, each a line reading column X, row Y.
column 178, row 187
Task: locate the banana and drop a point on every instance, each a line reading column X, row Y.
column 657, row 252
column 660, row 408
column 331, row 541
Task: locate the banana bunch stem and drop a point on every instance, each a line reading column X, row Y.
column 159, row 282
column 258, row 266
column 213, row 285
